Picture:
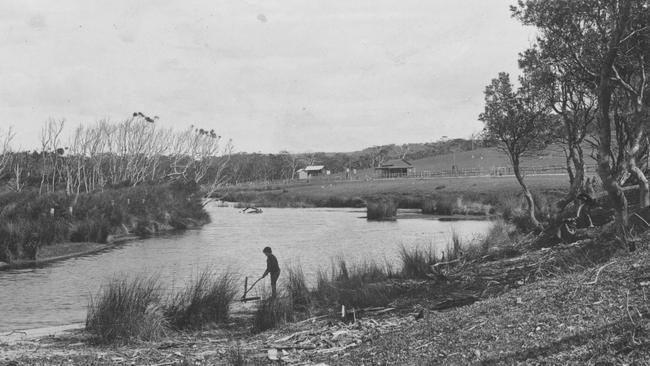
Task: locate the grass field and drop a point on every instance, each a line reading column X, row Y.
column 408, row 192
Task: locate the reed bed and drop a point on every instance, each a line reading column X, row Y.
column 381, row 209
column 126, row 310
column 272, row 312
column 417, row 261
column 205, row 300
column 136, row 308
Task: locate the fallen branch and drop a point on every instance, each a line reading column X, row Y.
column 641, row 218
column 313, row 319
column 598, row 273
column 445, row 263
column 476, row 325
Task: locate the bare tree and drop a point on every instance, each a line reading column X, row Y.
column 50, row 153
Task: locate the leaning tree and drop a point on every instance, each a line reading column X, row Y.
column 518, row 121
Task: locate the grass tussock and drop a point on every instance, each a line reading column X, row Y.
column 381, row 209
column 132, row 309
column 272, row 312
column 297, row 290
column 205, row 300
column 447, row 205
column 417, row 261
column 127, row 310
column 358, row 285
column 454, row 250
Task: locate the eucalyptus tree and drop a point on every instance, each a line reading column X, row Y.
column 518, row 121
column 606, row 43
column 572, row 101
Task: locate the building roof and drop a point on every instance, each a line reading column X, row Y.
column 395, row 164
column 312, row 168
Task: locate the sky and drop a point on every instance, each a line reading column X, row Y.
column 272, row 75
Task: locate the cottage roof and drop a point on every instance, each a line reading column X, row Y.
column 312, row 168
column 395, row 164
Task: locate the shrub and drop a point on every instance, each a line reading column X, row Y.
column 205, row 300
column 126, row 310
column 381, row 209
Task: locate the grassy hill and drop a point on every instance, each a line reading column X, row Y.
column 486, row 159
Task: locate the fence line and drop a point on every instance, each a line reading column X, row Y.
column 465, row 172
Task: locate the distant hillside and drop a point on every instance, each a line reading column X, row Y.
column 489, row 158
column 431, row 156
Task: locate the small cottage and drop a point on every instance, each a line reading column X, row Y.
column 311, row 171
column 394, row 168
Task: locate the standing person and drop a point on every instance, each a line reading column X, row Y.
column 273, row 268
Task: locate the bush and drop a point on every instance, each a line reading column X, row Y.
column 205, row 300
column 381, row 209
column 127, row 310
column 29, row 221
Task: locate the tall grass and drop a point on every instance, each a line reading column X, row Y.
column 358, row 285
column 205, row 300
column 447, row 205
column 297, row 289
column 126, row 310
column 499, row 242
column 271, row 312
column 438, row 206
column 381, row 209
column 417, row 261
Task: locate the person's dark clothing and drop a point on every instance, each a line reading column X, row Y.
column 273, row 268
column 274, row 281
column 272, row 264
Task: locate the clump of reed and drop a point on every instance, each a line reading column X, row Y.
column 499, row 242
column 359, row 285
column 205, row 300
column 126, row 310
column 452, row 206
column 137, row 308
column 438, row 206
column 417, row 261
column 381, row 209
column 271, row 312
column 297, row 290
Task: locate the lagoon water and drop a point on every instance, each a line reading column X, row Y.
column 58, row 293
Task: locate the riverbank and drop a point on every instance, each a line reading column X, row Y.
column 574, row 303
column 34, row 228
column 67, row 250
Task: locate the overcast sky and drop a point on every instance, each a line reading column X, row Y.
column 297, row 75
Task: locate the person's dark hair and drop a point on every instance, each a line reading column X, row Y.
column 267, row 250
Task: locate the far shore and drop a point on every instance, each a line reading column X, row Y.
column 67, row 250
